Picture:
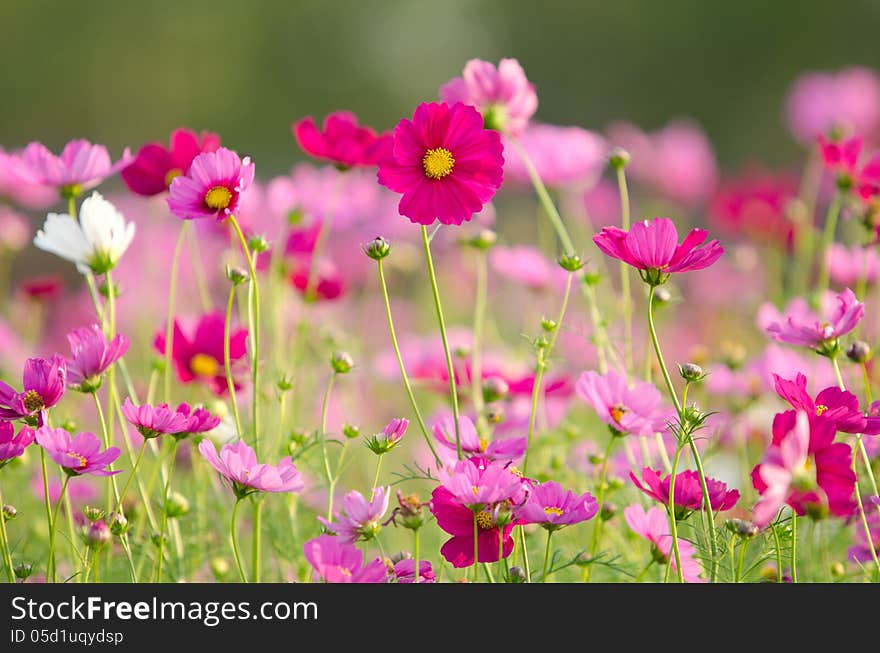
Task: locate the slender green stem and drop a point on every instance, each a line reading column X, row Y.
column 477, row 350
column 543, row 354
column 323, row 434
column 794, row 570
column 449, row 367
column 827, row 241
column 778, row 553
column 406, row 383
column 134, row 469
column 256, row 549
column 644, row 571
column 4, row 542
column 546, row 556
column 416, row 574
column 376, row 477
column 52, row 528
column 161, row 545
column 624, row 275
column 743, row 545
column 48, row 505
column 476, row 547
column 600, row 498
column 522, row 542
column 169, row 324
column 234, row 538
column 112, row 491
column 227, row 361
column 673, row 521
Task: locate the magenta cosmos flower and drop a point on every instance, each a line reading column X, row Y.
column 390, row 436
column 805, row 469
column 78, row 455
column 405, row 571
column 838, row 316
column 92, row 356
column 754, row 205
column 652, row 247
column 155, row 166
column 653, row 525
column 12, row 445
column 688, row 491
column 839, row 407
column 199, row 356
column 444, row 163
column 80, row 166
column 638, row 410
column 553, row 508
column 478, row 482
column 212, row 186
column 44, row 381
column 153, row 421
column 237, row 463
column 342, row 140
column 337, row 561
column 471, row 443
column 503, row 95
column 362, row 519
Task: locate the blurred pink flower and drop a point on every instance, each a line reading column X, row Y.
column 155, row 166
column 848, row 265
column 15, row 229
column 528, row 266
column 20, row 184
column 838, row 315
column 653, row 525
column 342, row 140
column 561, row 155
column 80, row 167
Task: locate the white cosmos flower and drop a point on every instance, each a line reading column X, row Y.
column 95, row 243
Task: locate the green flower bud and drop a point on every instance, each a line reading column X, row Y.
column 341, row 362
column 377, row 249
column 571, row 262
column 619, row 158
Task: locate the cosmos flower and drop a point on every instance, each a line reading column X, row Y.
column 638, row 410
column 688, row 491
column 361, row 518
column 155, row 166
column 238, row 464
column 342, row 140
column 212, row 186
column 801, row 326
column 77, row 455
column 80, row 167
column 12, row 445
column 92, row 355
column 653, row 525
column 337, row 561
column 553, row 507
column 44, row 381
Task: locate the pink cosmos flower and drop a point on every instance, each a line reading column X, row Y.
column 652, row 247
column 561, row 155
column 821, row 101
column 78, row 455
column 754, row 204
column 478, row 482
column 155, row 166
column 42, row 288
column 337, row 561
column 342, row 141
column 653, row 525
column 848, row 265
column 237, row 463
column 12, row 445
column 362, row 518
column 471, row 443
column 688, row 491
column 152, row 421
column 80, row 167
column 199, row 420
column 80, row 494
column 503, row 95
column 638, row 410
column 861, row 551
column 839, row 407
column 15, row 230
column 444, row 163
column 553, row 507
column 805, row 469
column 840, row 156
column 676, row 160
column 212, row 186
column 328, row 283
column 390, row 436
column 92, row 356
column 800, row 326
column 528, row 266
column 199, row 357
column 405, row 571
column 19, row 184
column 44, row 381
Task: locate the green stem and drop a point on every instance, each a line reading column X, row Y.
column 546, row 557
column 256, row 549
column 48, row 505
column 673, row 522
column 130, row 477
column 406, row 383
column 52, row 527
column 778, row 553
column 543, row 354
column 327, row 475
column 234, row 539
column 112, row 491
column 476, row 547
column 522, row 543
column 376, row 477
column 161, row 546
column 416, row 575
column 742, row 556
column 449, row 367
column 227, row 361
column 644, row 571
column 169, row 324
column 794, row 572
column 600, row 497
column 827, row 241
column 624, row 275
column 4, row 542
column 476, row 353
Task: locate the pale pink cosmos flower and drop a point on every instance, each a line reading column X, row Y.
column 92, row 355
column 503, row 94
column 848, row 265
column 553, row 507
column 361, row 518
column 237, row 463
column 527, row 266
column 212, row 186
column 337, row 561
column 638, row 410
column 508, row 449
column 19, row 184
column 846, row 99
column 801, row 326
column 653, row 525
column 77, row 455
column 561, row 155
column 80, row 167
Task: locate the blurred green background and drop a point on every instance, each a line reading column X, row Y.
column 121, row 73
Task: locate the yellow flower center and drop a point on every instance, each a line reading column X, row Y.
column 171, row 174
column 344, row 571
column 218, row 198
column 484, row 520
column 483, row 444
column 33, row 401
column 204, row 365
column 617, row 413
column 821, row 409
column 438, row 162
column 80, row 458
column 549, row 510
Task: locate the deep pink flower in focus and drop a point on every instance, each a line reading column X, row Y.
column 155, row 166
column 503, row 95
column 80, row 166
column 805, row 469
column 472, row 444
column 651, row 246
column 238, row 464
column 638, row 410
column 821, row 331
column 342, row 140
column 12, row 445
column 553, row 507
column 44, row 381
column 478, row 482
column 840, row 407
column 405, row 571
column 199, row 356
column 688, row 491
column 78, row 455
column 92, row 356
column 212, row 186
column 653, row 525
column 362, row 519
column 338, row 561
column 444, row 163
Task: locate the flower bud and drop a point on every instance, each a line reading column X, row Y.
column 258, row 244
column 691, row 372
column 156, row 537
column 341, row 362
column 608, row 511
column 592, row 278
column 541, row 342
column 9, row 512
column 859, row 352
column 236, row 276
column 619, row 158
column 742, row 528
column 23, row 570
column 516, row 575
column 494, row 389
column 284, row 384
column 219, row 567
column 484, row 240
column 177, row 505
column 377, row 249
column 93, row 514
column 548, row 325
column 409, row 511
column 118, row 524
column 351, row 431
column 571, row 262
column 662, row 296
column 838, row 569
column 98, row 534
